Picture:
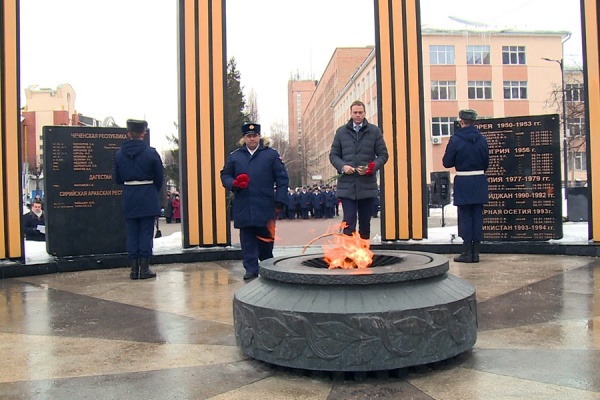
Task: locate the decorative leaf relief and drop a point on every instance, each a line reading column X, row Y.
column 458, row 333
column 463, row 315
column 275, row 327
column 311, row 336
column 413, row 325
column 341, row 331
column 332, row 347
column 431, row 345
column 248, row 316
column 290, row 348
column 440, row 317
column 369, row 325
column 246, row 337
column 364, row 353
column 396, row 343
column 294, row 323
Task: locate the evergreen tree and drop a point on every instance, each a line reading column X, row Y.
column 171, row 161
column 235, row 105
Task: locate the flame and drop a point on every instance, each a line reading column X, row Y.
column 271, row 228
column 348, row 252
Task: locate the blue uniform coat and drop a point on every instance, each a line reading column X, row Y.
column 136, row 161
column 255, row 205
column 358, row 149
column 467, row 150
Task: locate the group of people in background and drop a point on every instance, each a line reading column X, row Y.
column 172, row 207
column 316, row 202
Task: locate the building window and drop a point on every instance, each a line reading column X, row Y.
column 442, row 126
column 441, row 55
column 574, row 92
column 480, row 90
column 515, row 90
column 513, row 55
column 443, row 90
column 576, row 126
column 478, row 54
column 580, row 161
column 368, row 79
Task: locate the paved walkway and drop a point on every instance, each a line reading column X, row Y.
column 98, row 335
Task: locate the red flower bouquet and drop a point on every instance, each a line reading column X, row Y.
column 241, row 181
column 370, row 168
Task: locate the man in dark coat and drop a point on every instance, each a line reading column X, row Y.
column 304, row 200
column 139, row 168
column 292, row 202
column 358, row 151
column 316, row 203
column 34, row 222
column 251, row 172
column 467, row 151
column 329, row 201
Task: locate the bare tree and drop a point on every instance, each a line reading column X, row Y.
column 252, row 107
column 36, row 172
column 574, row 103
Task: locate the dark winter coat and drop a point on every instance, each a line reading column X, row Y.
column 268, row 185
column 304, row 200
column 30, row 224
column 358, row 149
column 292, row 201
column 467, row 150
column 136, row 161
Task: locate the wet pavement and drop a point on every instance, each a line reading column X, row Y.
column 98, row 335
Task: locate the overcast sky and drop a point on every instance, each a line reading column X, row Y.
column 120, row 56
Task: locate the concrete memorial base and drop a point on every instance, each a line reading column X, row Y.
column 405, row 312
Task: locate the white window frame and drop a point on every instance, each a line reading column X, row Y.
column 514, row 55
column 441, row 55
column 446, row 90
column 439, row 123
column 478, row 55
column 481, row 90
column 516, row 90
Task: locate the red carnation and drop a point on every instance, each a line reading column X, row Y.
column 370, row 168
column 241, row 182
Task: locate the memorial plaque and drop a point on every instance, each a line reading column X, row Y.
column 83, row 204
column 524, row 178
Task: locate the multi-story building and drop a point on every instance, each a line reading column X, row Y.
column 318, row 125
column 500, row 73
column 299, row 94
column 497, row 73
column 44, row 106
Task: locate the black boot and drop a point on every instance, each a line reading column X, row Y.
column 145, row 271
column 135, row 268
column 476, row 246
column 467, row 254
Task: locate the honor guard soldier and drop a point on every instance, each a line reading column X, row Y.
column 258, row 179
column 139, row 168
column 467, row 151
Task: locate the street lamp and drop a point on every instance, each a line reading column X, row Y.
column 564, row 120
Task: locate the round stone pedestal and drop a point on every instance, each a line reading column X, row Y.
column 411, row 312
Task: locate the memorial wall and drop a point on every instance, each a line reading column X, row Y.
column 524, row 178
column 83, row 204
